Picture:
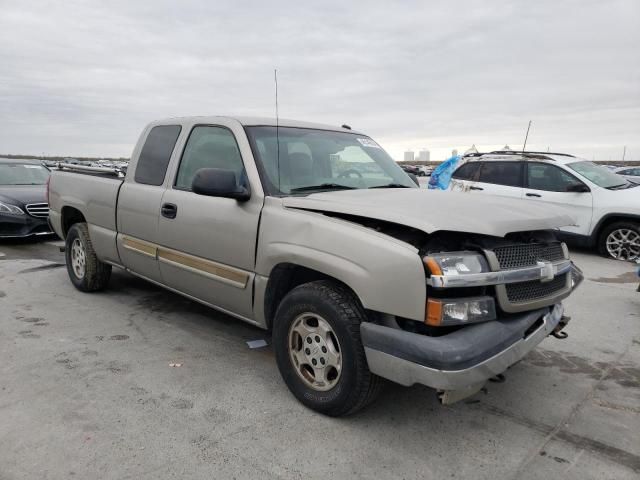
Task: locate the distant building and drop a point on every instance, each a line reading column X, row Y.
column 454, row 153
column 424, row 155
column 409, row 156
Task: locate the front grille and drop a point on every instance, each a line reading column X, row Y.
column 528, row 254
column 39, row 210
column 535, row 289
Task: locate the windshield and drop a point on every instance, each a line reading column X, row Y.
column 314, row 160
column 601, row 176
column 22, row 174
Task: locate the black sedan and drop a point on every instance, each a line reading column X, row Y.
column 24, row 209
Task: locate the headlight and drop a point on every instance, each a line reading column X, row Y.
column 459, row 311
column 10, row 209
column 456, row 263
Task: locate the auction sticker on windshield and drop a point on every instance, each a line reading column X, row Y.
column 367, row 142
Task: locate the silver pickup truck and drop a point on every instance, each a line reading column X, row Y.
column 316, row 234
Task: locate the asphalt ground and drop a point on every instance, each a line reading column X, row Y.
column 88, row 390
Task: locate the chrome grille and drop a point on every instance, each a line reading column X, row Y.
column 528, row 254
column 535, row 290
column 40, row 210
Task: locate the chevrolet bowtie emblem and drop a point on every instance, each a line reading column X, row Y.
column 546, row 271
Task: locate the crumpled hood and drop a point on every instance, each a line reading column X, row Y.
column 20, row 195
column 433, row 210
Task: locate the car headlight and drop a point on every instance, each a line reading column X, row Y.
column 443, row 312
column 456, row 263
column 10, row 209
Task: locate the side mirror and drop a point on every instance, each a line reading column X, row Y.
column 414, row 178
column 578, row 188
column 218, row 182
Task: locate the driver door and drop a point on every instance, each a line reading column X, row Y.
column 209, row 243
column 548, row 184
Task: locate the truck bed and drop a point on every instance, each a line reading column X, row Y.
column 93, row 192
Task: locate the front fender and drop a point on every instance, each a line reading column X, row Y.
column 386, row 274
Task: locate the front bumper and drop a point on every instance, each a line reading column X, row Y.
column 21, row 226
column 464, row 359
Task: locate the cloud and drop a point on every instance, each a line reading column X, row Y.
column 83, row 78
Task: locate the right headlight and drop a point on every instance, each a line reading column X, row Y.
column 456, row 263
column 10, row 209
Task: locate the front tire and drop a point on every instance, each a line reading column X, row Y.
column 620, row 240
column 319, row 352
column 86, row 272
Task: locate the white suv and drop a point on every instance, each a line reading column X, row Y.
column 605, row 205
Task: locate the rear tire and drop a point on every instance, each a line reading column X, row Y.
column 620, row 240
column 86, row 272
column 327, row 316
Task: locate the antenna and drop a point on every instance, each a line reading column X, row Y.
column 275, row 79
column 624, row 152
column 526, row 137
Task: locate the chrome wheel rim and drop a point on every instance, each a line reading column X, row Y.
column 315, row 352
column 624, row 244
column 78, row 258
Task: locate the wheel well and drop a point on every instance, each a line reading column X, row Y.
column 285, row 277
column 605, row 222
column 70, row 216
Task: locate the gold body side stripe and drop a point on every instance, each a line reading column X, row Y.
column 140, row 246
column 207, row 268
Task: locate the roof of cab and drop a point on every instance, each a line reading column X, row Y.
column 255, row 121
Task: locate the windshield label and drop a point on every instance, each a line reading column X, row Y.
column 367, row 142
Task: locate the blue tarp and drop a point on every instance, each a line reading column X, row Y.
column 441, row 176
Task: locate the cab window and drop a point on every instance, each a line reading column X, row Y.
column 543, row 176
column 209, row 147
column 502, row 173
column 156, row 153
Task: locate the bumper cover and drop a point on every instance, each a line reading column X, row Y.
column 20, row 226
column 465, row 358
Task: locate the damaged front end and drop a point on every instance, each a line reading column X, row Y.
column 489, row 302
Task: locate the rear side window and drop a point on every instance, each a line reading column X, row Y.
column 156, row 153
column 502, row 173
column 467, row 171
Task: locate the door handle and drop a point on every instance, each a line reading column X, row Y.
column 533, row 195
column 169, row 210
column 476, row 188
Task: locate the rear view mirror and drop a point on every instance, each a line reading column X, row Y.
column 578, row 188
column 218, row 182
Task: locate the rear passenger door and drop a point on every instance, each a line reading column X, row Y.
column 504, row 179
column 139, row 202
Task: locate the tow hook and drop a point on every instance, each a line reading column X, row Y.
column 557, row 332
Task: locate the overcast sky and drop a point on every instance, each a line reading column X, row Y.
column 82, row 78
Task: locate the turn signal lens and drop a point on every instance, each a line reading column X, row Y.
column 444, row 312
column 432, row 265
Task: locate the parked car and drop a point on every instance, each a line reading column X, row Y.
column 24, row 210
column 425, row 170
column 412, row 169
column 358, row 273
column 630, row 173
column 605, row 205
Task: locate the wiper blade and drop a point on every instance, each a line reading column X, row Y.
column 616, row 187
column 323, row 186
column 391, row 185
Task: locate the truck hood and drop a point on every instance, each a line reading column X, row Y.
column 434, row 210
